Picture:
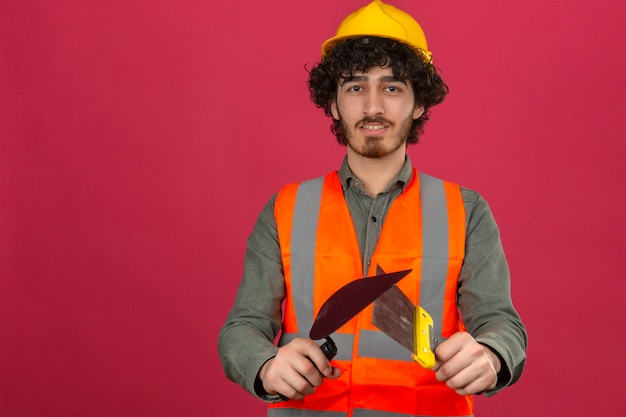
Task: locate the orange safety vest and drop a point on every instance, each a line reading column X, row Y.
column 424, row 230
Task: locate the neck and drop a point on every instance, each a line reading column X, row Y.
column 375, row 173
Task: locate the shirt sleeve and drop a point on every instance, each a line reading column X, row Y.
column 246, row 341
column 484, row 295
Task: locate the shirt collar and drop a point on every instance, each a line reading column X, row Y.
column 346, row 176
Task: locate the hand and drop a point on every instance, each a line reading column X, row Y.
column 295, row 370
column 465, row 365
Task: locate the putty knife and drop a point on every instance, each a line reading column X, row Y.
column 412, row 327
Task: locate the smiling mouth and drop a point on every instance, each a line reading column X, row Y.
column 374, row 124
column 373, row 127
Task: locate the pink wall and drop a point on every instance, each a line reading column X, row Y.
column 139, row 140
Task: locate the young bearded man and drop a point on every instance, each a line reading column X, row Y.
column 377, row 82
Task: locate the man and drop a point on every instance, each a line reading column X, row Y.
column 376, row 80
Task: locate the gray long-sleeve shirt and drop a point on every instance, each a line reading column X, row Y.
column 246, row 340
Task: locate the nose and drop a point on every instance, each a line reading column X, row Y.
column 373, row 104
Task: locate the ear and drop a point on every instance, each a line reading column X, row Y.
column 333, row 110
column 418, row 112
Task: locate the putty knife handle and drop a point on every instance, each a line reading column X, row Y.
column 423, row 341
column 329, row 348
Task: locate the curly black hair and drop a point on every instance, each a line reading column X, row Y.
column 362, row 53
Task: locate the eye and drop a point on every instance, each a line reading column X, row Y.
column 392, row 89
column 355, row 88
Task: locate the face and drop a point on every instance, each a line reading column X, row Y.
column 376, row 111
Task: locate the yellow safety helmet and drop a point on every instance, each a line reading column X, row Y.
column 381, row 20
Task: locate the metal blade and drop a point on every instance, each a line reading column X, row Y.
column 351, row 299
column 394, row 315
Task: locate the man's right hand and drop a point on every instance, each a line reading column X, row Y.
column 296, row 370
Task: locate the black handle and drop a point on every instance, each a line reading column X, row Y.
column 329, row 348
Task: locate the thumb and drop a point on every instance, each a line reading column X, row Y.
column 333, row 373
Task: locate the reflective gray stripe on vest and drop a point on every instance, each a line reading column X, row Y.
column 435, row 248
column 303, row 237
column 297, row 412
column 359, row 412
column 375, row 344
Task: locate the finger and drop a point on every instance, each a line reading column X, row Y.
column 451, row 346
column 336, row 373
column 296, row 356
column 319, row 360
column 315, row 354
column 476, row 377
column 293, row 385
column 452, row 366
column 459, row 379
column 294, row 395
column 307, row 369
column 476, row 386
column 284, row 377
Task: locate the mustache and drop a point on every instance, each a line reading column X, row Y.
column 380, row 120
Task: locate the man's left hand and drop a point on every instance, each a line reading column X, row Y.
column 465, row 365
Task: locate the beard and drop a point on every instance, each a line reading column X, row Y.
column 376, row 147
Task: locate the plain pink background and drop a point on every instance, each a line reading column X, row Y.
column 140, row 139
